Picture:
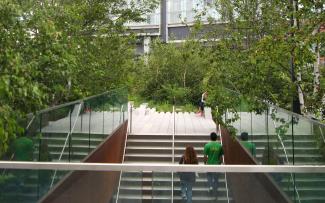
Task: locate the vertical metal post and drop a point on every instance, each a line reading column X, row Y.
column 252, row 139
column 89, row 126
column 173, row 152
column 267, row 134
column 174, row 126
column 131, row 118
column 39, row 156
column 81, row 121
column 123, row 116
column 293, row 159
column 40, row 131
column 113, row 116
column 103, row 118
column 163, row 21
column 240, row 118
column 292, row 140
column 70, row 134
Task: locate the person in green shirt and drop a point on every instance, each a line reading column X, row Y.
column 248, row 145
column 23, row 149
column 212, row 156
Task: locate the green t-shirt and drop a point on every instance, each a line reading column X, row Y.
column 213, row 150
column 23, row 149
column 249, row 146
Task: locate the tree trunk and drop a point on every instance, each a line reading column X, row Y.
column 184, row 78
column 316, row 70
column 300, row 94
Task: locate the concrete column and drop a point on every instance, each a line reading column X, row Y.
column 146, row 44
column 163, row 21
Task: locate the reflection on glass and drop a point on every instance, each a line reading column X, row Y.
column 67, row 133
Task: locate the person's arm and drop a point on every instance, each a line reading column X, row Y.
column 203, row 98
column 221, row 154
column 205, row 159
column 254, row 150
column 205, row 151
column 181, row 160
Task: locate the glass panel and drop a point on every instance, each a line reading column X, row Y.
column 318, row 133
column 162, row 186
column 280, row 136
column 134, row 187
column 200, row 187
column 46, row 136
column 139, row 186
column 307, row 139
column 279, row 149
column 49, row 132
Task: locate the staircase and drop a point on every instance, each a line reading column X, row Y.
column 147, row 145
column 49, row 146
column 262, row 131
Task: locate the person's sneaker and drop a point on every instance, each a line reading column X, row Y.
column 210, row 189
column 184, row 197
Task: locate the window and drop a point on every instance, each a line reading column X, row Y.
column 208, row 2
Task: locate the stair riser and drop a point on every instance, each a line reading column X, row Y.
column 166, row 192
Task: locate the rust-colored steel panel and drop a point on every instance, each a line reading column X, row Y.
column 248, row 187
column 93, row 186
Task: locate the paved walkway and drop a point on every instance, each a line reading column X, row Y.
column 149, row 121
column 261, row 124
column 87, row 122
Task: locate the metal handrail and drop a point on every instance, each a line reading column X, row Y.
column 287, row 159
column 174, row 129
column 321, row 131
column 173, row 151
column 282, row 109
column 223, row 160
column 30, row 123
column 111, row 92
column 121, row 172
column 162, row 167
column 66, row 140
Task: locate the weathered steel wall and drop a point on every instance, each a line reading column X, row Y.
column 95, row 186
column 248, row 187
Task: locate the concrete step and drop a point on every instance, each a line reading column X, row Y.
column 167, row 199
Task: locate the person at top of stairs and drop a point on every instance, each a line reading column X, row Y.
column 201, row 104
column 188, row 178
column 248, row 145
column 213, row 156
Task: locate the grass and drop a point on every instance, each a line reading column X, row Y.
column 162, row 106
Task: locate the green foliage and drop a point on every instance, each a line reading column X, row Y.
column 319, row 134
column 254, row 51
column 232, row 131
column 56, row 51
column 164, row 107
column 172, row 71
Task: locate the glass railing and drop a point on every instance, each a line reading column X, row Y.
column 149, row 182
column 66, row 133
column 193, row 130
column 280, row 137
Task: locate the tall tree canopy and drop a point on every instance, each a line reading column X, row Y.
column 53, row 51
column 258, row 41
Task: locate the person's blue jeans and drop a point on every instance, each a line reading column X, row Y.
column 186, row 188
column 213, row 181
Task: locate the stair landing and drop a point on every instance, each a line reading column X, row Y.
column 162, row 123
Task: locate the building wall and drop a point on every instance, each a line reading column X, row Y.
column 179, row 11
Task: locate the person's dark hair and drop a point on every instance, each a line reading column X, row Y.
column 244, row 136
column 213, row 136
column 190, row 156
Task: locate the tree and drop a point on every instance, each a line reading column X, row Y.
column 256, row 46
column 55, row 51
column 173, row 71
